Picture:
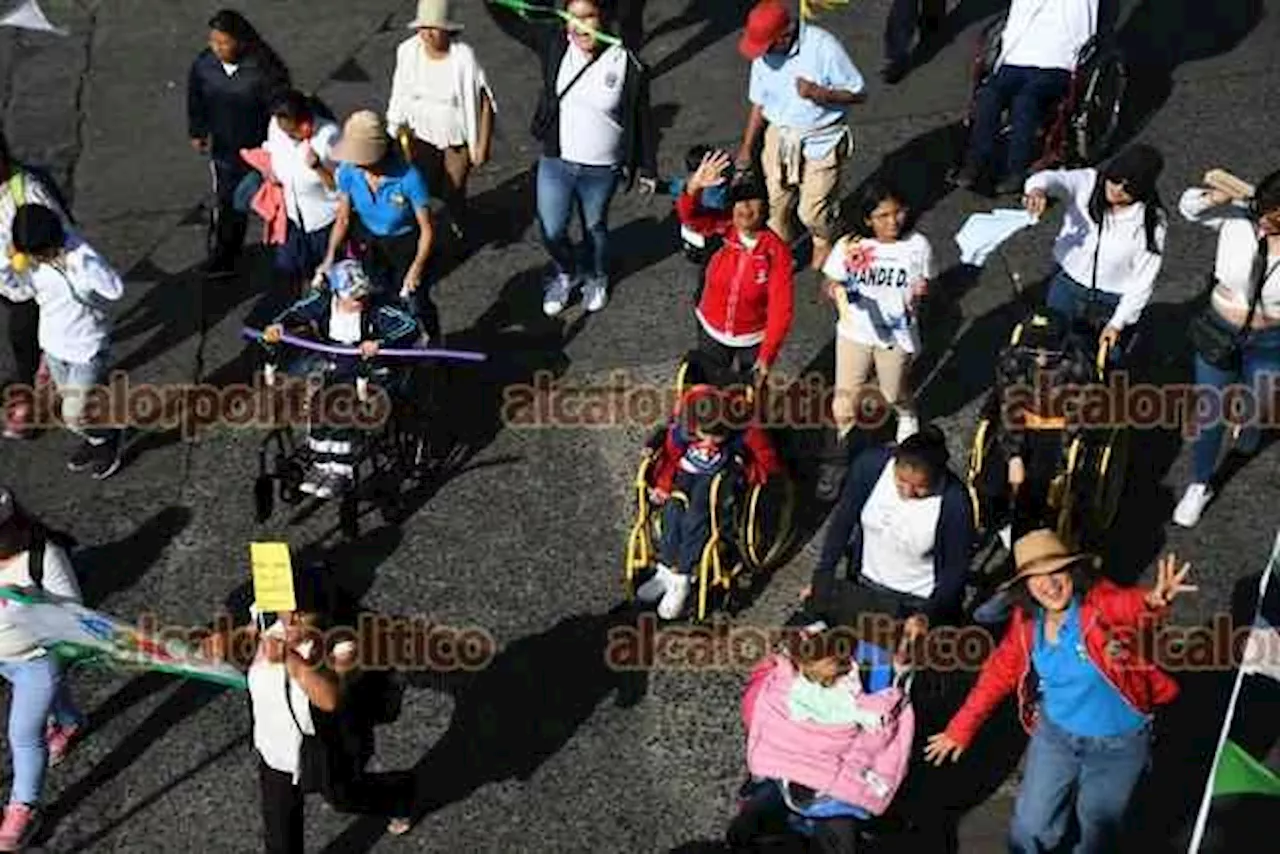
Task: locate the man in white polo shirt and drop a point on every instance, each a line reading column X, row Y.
column 1039, row 49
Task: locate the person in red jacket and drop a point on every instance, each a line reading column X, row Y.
column 701, row 441
column 747, row 301
column 1090, row 715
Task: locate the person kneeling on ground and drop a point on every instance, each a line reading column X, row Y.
column 1090, row 721
column 341, row 314
column 73, row 285
column 699, row 445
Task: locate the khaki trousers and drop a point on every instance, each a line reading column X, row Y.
column 815, row 196
column 854, row 404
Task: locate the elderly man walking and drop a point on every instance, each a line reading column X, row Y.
column 802, row 82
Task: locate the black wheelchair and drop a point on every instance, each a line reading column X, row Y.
column 388, row 405
column 1083, row 126
column 752, row 525
column 1075, row 481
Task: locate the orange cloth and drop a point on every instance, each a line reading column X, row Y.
column 268, row 203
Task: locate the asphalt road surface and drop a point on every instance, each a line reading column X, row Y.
column 547, row 749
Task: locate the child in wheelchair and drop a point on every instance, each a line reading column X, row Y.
column 699, row 444
column 340, row 312
column 1032, row 425
column 822, row 749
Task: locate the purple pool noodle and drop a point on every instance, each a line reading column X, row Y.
column 334, row 350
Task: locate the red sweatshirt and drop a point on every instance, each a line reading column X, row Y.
column 1109, row 613
column 748, row 297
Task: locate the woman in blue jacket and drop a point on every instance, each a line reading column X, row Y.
column 905, row 522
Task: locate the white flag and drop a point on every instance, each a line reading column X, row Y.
column 29, row 16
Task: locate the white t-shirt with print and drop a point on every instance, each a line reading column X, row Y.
column 878, row 315
column 591, row 112
column 311, row 205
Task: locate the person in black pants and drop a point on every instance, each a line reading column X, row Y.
column 231, row 88
column 905, row 18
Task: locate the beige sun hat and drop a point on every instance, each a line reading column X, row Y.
column 364, row 139
column 435, row 15
column 1042, row 553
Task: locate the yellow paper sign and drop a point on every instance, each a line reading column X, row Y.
column 272, row 577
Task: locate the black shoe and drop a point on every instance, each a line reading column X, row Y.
column 967, row 177
column 109, row 456
column 893, row 72
column 83, row 457
column 830, row 479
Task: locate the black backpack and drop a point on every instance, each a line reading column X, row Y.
column 39, row 537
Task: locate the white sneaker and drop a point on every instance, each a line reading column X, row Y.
column 314, row 480
column 1189, row 509
column 1006, row 537
column 672, row 604
column 908, row 426
column 656, row 587
column 556, row 295
column 595, row 293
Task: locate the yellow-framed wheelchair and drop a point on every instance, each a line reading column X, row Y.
column 751, row 528
column 1087, row 482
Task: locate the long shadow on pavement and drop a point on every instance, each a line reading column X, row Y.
column 717, row 20
column 111, row 568
column 510, row 717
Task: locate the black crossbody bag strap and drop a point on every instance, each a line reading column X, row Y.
column 577, row 77
column 1262, row 275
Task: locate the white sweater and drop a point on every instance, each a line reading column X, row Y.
column 74, row 323
column 1125, row 266
column 1047, row 33
column 1237, row 248
column 59, row 580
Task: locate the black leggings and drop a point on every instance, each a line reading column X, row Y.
column 725, row 364
column 387, row 261
column 24, row 323
column 282, row 803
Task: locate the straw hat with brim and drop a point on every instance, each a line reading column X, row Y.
column 1043, row 553
column 364, row 139
column 435, row 15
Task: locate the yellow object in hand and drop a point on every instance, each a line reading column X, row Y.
column 20, row 261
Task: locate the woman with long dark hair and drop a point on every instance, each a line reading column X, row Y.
column 1110, row 248
column 43, row 721
column 231, row 88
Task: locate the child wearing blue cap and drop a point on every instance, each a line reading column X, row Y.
column 340, row 312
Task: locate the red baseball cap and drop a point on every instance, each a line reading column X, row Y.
column 766, row 23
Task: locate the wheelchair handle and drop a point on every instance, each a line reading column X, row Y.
column 354, row 352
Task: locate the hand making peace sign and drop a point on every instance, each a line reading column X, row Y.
column 1169, row 582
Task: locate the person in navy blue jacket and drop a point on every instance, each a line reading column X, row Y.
column 905, row 521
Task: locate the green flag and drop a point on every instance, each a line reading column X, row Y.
column 1238, row 773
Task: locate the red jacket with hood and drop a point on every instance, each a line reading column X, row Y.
column 748, row 293
column 1111, row 616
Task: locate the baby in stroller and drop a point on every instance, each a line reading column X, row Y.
column 824, row 753
column 339, row 312
column 700, row 443
column 1031, row 415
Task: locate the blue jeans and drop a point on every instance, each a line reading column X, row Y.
column 1071, row 299
column 686, row 520
column 1261, row 365
column 560, row 185
column 1100, row 773
column 1029, row 93
column 73, row 380
column 38, row 691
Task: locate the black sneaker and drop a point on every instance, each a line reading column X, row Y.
column 83, row 457
column 894, row 72
column 831, row 474
column 966, row 178
column 1011, row 185
column 109, row 456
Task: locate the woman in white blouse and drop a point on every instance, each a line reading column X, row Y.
column 440, row 94
column 1109, row 250
column 306, row 729
column 1246, row 276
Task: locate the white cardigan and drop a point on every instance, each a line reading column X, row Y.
column 409, row 78
column 1125, row 266
column 1237, row 249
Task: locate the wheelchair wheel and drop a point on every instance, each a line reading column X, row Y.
column 1067, row 497
column 1096, row 119
column 263, row 498
column 978, row 454
column 1109, row 479
column 645, row 532
column 711, row 572
column 349, row 515
column 291, row 476
column 766, row 523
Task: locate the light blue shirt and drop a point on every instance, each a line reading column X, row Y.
column 1077, row 697
column 818, row 57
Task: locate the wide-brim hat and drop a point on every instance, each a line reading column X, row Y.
column 766, row 23
column 435, row 15
column 1043, row 553
column 364, row 139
